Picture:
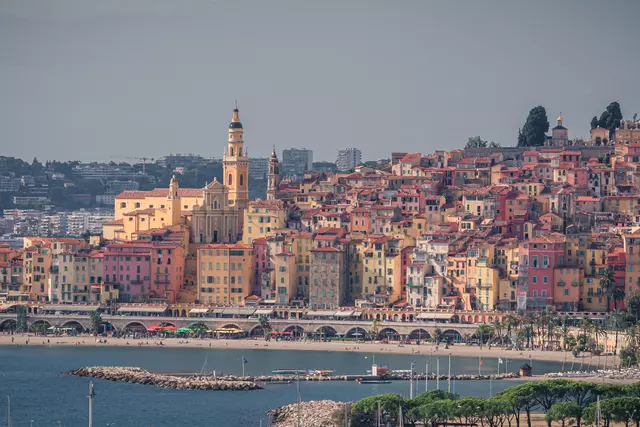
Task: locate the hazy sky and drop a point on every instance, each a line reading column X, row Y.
column 98, row 79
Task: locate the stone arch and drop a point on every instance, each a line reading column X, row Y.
column 455, row 319
column 78, row 326
column 389, row 333
column 134, row 327
column 395, row 317
column 8, row 325
column 295, row 330
column 404, row 317
column 475, row 319
column 377, row 316
column 256, row 331
column 490, row 319
column 357, row 333
column 38, row 324
column 327, row 331
column 198, row 325
column 183, row 313
column 452, row 335
column 463, row 319
column 419, row 334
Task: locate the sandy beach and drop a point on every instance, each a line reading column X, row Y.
column 375, row 347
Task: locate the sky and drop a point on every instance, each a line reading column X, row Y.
column 106, row 80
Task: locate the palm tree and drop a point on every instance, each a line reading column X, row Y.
column 483, row 331
column 608, row 283
column 498, row 326
column 373, row 330
column 618, row 321
column 564, row 331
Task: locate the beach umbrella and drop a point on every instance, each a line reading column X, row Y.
column 183, row 330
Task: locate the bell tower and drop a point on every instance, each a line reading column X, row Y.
column 273, row 179
column 236, row 164
column 173, row 202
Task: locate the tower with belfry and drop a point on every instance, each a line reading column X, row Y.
column 273, row 178
column 236, row 164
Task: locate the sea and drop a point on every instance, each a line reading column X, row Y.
column 41, row 395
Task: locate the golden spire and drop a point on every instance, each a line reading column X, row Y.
column 560, row 119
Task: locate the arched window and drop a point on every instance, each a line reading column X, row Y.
column 230, row 181
column 241, row 179
column 239, row 151
column 123, row 204
column 232, row 151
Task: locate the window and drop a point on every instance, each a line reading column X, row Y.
column 230, row 181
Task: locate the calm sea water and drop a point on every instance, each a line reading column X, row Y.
column 39, row 392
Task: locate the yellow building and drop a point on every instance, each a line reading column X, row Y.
column 487, row 277
column 213, row 213
column 593, row 298
column 262, row 218
column 36, row 266
column 225, row 273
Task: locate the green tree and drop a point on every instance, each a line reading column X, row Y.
column 436, row 412
column 547, row 393
column 266, row 326
column 437, row 335
column 522, row 140
column 494, row 144
column 476, row 142
column 535, row 127
column 364, row 412
column 618, row 322
column 21, row 319
column 483, row 332
column 374, row 329
column 581, row 393
column 563, row 411
column 633, row 306
column 594, row 122
column 468, row 409
column 610, row 118
column 609, row 285
column 520, row 398
column 96, row 321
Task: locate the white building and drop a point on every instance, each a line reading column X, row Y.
column 348, row 158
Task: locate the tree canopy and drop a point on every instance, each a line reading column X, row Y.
column 610, row 118
column 533, row 133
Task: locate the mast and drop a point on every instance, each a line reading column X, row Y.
column 91, row 396
column 8, row 411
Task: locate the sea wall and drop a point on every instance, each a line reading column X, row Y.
column 140, row 376
column 391, row 377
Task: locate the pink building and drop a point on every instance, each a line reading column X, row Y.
column 541, row 255
column 145, row 272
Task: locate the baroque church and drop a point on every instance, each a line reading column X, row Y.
column 212, row 214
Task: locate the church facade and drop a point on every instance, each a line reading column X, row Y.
column 212, row 214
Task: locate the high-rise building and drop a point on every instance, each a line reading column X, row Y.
column 295, row 161
column 258, row 167
column 348, row 158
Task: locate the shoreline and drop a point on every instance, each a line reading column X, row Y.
column 20, row 340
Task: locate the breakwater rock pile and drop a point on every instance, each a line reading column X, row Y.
column 612, row 374
column 319, row 413
column 140, row 376
column 392, row 377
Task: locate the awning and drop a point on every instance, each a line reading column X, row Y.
column 435, row 316
column 239, row 311
column 217, row 310
column 143, row 309
column 263, row 311
column 320, row 313
column 9, row 305
column 199, row 311
column 69, row 307
column 357, row 313
column 343, row 313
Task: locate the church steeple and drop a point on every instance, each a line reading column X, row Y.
column 174, row 207
column 273, row 179
column 236, row 163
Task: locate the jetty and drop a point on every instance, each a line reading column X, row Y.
column 135, row 375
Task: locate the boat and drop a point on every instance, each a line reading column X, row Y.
column 374, row 381
column 289, row 372
column 321, row 372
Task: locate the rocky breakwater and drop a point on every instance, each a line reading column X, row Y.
column 319, row 413
column 611, row 374
column 140, row 376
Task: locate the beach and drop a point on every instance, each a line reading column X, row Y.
column 255, row 344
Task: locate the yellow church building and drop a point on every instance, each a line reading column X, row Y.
column 213, row 214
